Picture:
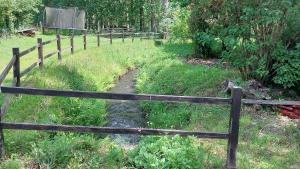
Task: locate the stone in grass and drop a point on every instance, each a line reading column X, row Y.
column 228, row 86
column 251, row 90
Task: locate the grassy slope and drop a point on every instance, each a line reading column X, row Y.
column 92, row 70
column 161, row 72
column 264, row 141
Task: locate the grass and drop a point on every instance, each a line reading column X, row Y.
column 266, row 141
column 96, row 71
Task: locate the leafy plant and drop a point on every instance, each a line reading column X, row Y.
column 287, row 66
column 167, row 152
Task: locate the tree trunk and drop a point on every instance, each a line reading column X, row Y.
column 165, row 7
column 142, row 20
column 153, row 23
column 153, row 18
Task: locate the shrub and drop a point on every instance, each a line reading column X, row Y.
column 258, row 38
column 287, row 66
column 208, row 45
column 167, row 152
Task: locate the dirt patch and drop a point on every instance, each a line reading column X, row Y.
column 269, row 122
column 207, row 62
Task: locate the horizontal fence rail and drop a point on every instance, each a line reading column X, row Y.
column 50, row 54
column 110, row 130
column 271, row 102
column 7, row 69
column 49, row 41
column 25, row 52
column 27, row 70
column 114, row 96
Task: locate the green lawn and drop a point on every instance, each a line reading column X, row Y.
column 161, row 71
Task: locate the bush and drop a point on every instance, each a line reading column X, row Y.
column 207, row 45
column 258, row 38
column 287, row 66
column 167, row 152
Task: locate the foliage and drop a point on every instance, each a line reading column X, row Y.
column 208, row 46
column 179, row 30
column 250, row 35
column 167, row 152
column 139, row 14
column 287, row 66
column 17, row 14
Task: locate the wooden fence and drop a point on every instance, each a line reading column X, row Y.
column 235, row 101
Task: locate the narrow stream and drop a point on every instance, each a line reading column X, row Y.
column 125, row 113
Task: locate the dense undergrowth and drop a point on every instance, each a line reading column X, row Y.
column 161, row 71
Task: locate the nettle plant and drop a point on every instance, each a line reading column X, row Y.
column 164, row 152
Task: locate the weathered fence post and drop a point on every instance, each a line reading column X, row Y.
column 40, row 53
column 58, row 46
column 133, row 34
column 16, row 69
column 234, row 122
column 110, row 35
column 123, row 36
column 72, row 44
column 98, row 39
column 164, row 35
column 84, row 40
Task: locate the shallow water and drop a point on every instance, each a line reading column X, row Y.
column 125, row 113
